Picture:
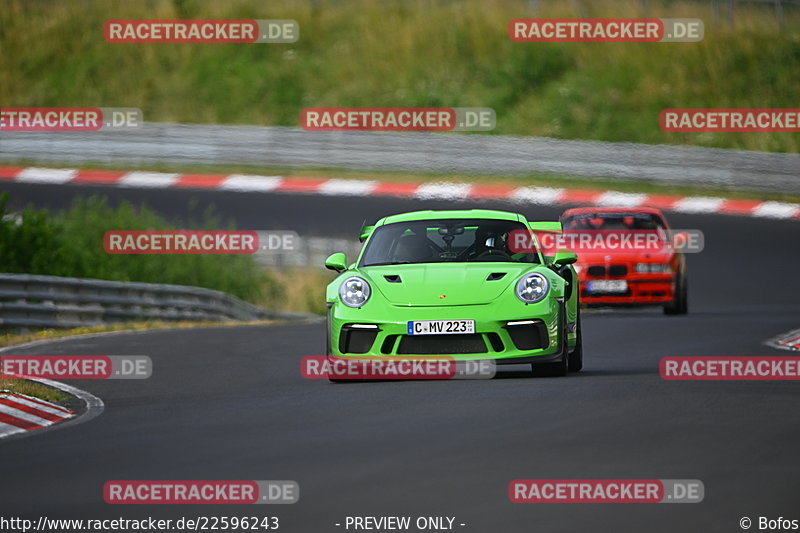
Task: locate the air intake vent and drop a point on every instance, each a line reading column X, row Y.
column 596, row 271
column 528, row 334
column 354, row 339
column 618, row 270
column 494, row 276
column 394, row 278
column 441, row 344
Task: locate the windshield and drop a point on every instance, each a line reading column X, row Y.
column 444, row 241
column 616, row 222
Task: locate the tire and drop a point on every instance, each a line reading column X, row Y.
column 576, row 356
column 680, row 303
column 556, row 368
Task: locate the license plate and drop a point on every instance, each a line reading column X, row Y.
column 440, row 327
column 608, row 285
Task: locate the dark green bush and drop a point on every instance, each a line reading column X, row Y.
column 71, row 244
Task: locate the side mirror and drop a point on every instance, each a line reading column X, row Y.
column 565, row 258
column 337, row 262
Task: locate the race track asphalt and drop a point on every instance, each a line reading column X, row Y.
column 230, row 403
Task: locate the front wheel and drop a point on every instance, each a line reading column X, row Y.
column 556, row 368
column 576, row 357
column 680, row 302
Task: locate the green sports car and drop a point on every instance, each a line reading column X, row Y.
column 449, row 283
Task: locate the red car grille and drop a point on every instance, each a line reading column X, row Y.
column 613, row 270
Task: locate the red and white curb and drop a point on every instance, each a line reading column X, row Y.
column 786, row 341
column 94, row 405
column 20, row 413
column 429, row 190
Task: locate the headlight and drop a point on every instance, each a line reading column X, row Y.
column 354, row 292
column 532, row 288
column 653, row 268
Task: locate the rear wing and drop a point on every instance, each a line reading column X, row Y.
column 366, row 231
column 546, row 227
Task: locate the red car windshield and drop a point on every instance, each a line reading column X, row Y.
column 615, row 221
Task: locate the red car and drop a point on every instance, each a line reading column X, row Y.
column 649, row 275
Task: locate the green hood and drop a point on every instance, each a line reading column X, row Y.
column 462, row 284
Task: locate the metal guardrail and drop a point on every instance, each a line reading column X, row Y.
column 177, row 144
column 33, row 301
column 309, row 252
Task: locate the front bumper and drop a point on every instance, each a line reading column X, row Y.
column 652, row 289
column 381, row 329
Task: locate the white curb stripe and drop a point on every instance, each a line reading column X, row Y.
column 148, row 180
column 244, row 183
column 445, row 191
column 22, row 415
column 698, row 204
column 337, row 187
column 786, row 341
column 538, row 195
column 54, row 410
column 622, row 199
column 776, row 210
column 550, row 196
column 8, row 429
column 47, row 175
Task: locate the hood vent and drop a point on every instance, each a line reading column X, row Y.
column 394, row 278
column 494, row 276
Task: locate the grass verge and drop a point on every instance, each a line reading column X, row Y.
column 412, row 53
column 304, row 289
column 32, row 388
